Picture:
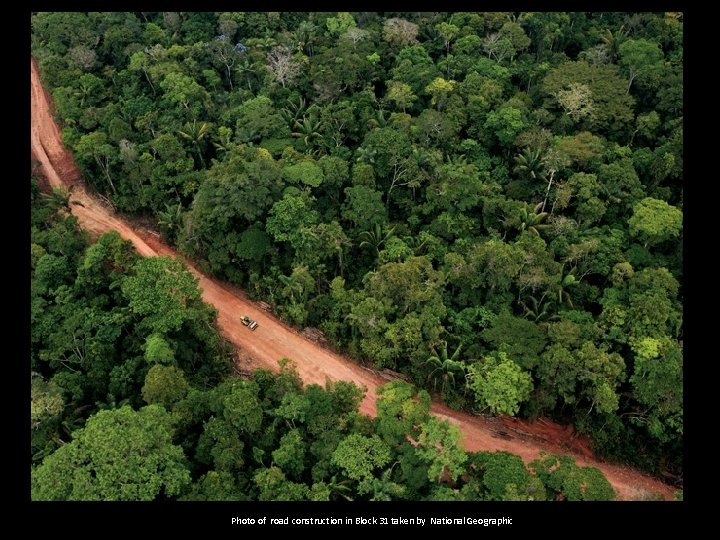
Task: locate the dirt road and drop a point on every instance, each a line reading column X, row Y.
column 274, row 340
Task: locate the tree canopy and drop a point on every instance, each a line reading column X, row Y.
column 490, row 204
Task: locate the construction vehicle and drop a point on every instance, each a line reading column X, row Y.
column 247, row 321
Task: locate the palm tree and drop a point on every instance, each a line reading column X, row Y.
column 304, row 34
column 613, row 41
column 294, row 111
column 292, row 287
column 83, row 91
column 266, row 42
column 531, row 220
column 566, row 281
column 416, row 244
column 538, row 310
column 170, row 219
column 376, row 238
column 223, row 142
column 384, row 489
column 342, row 488
column 558, row 293
column 366, row 155
column 195, row 135
column 57, row 199
column 445, row 368
column 378, row 120
column 530, row 162
column 309, row 130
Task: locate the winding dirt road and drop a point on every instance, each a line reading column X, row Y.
column 274, row 340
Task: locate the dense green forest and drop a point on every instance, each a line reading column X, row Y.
column 489, row 203
column 131, row 399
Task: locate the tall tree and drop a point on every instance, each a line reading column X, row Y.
column 500, row 384
column 654, row 221
column 642, row 60
column 283, row 67
column 162, row 291
column 119, row 455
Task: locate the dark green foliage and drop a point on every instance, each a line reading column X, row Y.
column 484, row 182
column 502, row 476
column 564, row 480
column 110, row 328
column 120, row 455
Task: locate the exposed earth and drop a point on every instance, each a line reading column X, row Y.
column 273, row 340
